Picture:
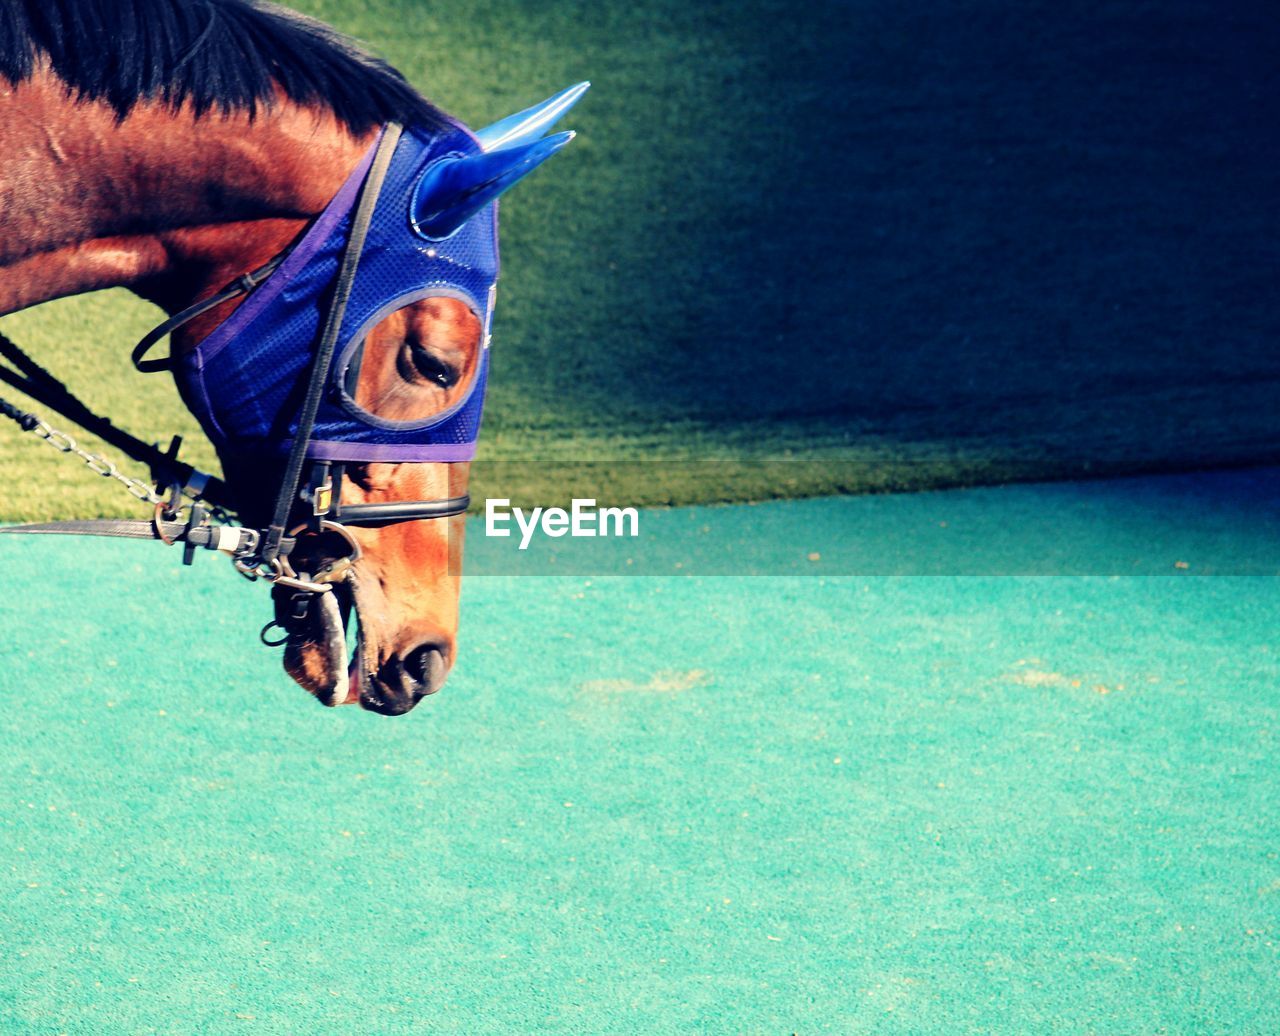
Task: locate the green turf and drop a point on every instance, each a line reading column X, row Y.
column 810, row 804
column 966, row 244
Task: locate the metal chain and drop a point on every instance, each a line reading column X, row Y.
column 278, row 572
column 101, row 465
column 96, row 462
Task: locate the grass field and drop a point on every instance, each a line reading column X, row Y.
column 795, row 250
column 967, row 244
column 839, row 802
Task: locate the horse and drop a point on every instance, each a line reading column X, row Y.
column 176, row 147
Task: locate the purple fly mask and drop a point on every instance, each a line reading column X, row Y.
column 434, row 233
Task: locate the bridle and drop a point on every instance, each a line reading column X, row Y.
column 193, row 499
column 445, row 243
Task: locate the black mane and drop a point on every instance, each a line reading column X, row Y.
column 217, row 55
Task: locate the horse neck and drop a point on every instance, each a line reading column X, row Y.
column 160, row 202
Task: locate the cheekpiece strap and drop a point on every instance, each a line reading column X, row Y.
column 329, row 339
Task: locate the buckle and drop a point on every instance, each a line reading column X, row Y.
column 319, row 490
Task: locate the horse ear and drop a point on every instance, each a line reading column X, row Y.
column 456, row 187
column 530, row 124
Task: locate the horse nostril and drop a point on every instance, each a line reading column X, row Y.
column 426, row 666
column 403, row 680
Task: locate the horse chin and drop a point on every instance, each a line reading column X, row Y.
column 316, row 655
column 322, row 660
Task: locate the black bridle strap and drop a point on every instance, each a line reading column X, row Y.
column 386, row 514
column 377, row 515
column 271, row 549
column 126, row 528
column 240, row 286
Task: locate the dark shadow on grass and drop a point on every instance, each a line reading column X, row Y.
column 1036, row 215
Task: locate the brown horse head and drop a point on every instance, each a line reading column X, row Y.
column 203, row 147
column 403, row 591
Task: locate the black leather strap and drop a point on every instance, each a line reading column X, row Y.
column 329, row 340
column 240, row 286
column 386, row 514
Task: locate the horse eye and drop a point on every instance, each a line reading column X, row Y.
column 430, row 367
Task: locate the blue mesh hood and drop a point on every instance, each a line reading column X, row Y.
column 246, row 381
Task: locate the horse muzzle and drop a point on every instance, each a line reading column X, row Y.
column 331, row 650
column 403, row 681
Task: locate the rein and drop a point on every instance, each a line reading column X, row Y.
column 255, row 553
column 166, row 470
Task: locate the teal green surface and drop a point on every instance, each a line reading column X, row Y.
column 667, row 804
